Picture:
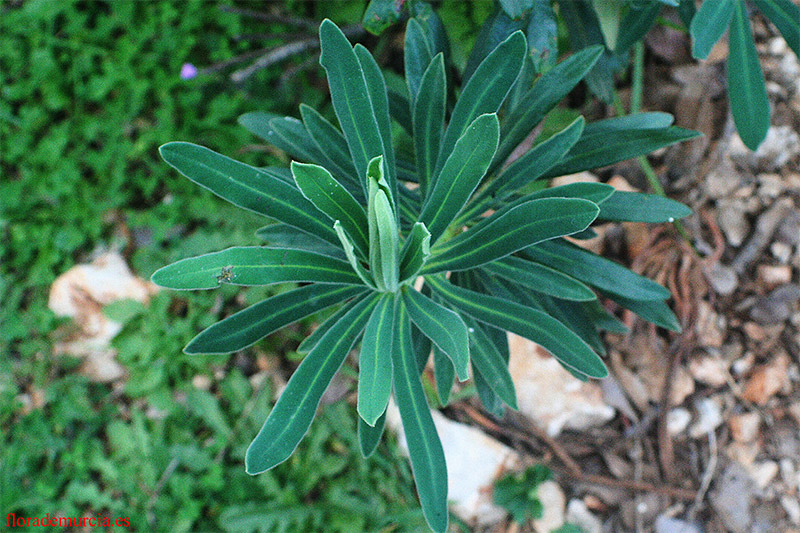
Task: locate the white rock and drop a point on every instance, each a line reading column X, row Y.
column 763, row 473
column 474, row 462
column 667, row 524
column 709, row 369
column 709, row 417
column 780, row 145
column 81, row 293
column 580, row 515
column 781, row 251
column 580, row 177
column 792, row 507
column 549, row 395
column 553, row 501
column 722, row 278
column 678, row 420
column 732, row 219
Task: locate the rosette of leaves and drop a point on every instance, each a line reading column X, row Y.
column 408, row 220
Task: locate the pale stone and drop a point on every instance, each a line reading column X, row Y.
column 580, row 177
column 553, row 501
column 81, row 293
column 781, row 251
column 763, row 473
column 568, row 402
column 709, row 417
column 710, row 370
column 475, row 462
column 767, row 380
column 678, row 420
column 710, row 325
column 770, row 185
column 745, row 426
column 201, row 381
column 772, row 276
column 580, row 515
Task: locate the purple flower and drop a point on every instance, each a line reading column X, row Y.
column 188, row 71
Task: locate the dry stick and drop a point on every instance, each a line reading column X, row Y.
column 277, row 55
column 572, row 470
column 271, row 17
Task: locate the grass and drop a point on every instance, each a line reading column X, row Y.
column 88, row 91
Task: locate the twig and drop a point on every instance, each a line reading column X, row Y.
column 271, row 17
column 572, row 470
column 708, row 475
column 173, row 464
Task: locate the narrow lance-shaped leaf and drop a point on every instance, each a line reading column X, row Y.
column 461, row 174
column 596, row 271
column 485, row 91
column 418, row 55
column 330, row 197
column 290, row 135
column 369, row 436
column 312, row 340
column 388, row 241
column 708, row 25
column 441, row 325
column 444, row 372
column 291, row 417
column 376, row 89
column 746, row 89
column 350, row 96
column 282, row 235
column 250, row 325
column 424, row 448
column 247, row 187
column 349, row 251
column 333, row 148
column 542, row 34
column 528, row 223
column 416, row 251
column 541, row 278
column 489, row 362
column 375, row 361
column 655, row 311
column 639, row 207
column 786, row 17
column 253, row 265
column 570, row 350
column 598, row 151
column 539, row 100
column 428, row 120
column 647, row 120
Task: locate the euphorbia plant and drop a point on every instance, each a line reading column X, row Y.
column 425, row 239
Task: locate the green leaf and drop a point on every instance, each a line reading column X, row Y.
column 540, row 278
column 708, row 25
column 539, row 100
column 350, row 96
column 786, row 17
column 290, row 135
column 444, row 372
column 347, row 244
column 388, row 238
column 570, row 350
column 491, row 365
column 400, row 110
column 746, row 90
column 542, row 34
column 531, row 222
column 418, row 55
column 516, row 8
column 596, row 271
column 375, row 361
column 635, row 25
column 291, row 417
column 330, row 197
column 416, row 251
column 247, row 187
column 495, row 29
column 489, row 399
column 381, row 14
column 369, row 436
column 639, row 207
column 332, row 146
column 284, row 236
column 441, row 325
column 253, row 265
column 461, row 174
column 250, row 325
column 428, row 120
column 485, row 91
column 312, row 340
column 424, row 447
column 600, row 150
column 376, row 90
column 652, row 120
column 655, row 311
column 608, row 14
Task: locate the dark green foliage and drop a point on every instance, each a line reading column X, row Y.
column 517, row 493
column 392, row 233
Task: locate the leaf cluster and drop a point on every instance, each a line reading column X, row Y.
column 412, row 219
